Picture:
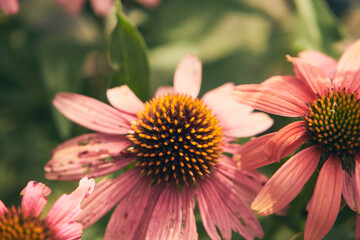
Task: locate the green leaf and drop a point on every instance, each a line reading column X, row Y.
column 317, row 27
column 128, row 55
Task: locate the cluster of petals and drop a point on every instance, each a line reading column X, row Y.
column 61, row 218
column 9, row 7
column 315, row 74
column 146, row 211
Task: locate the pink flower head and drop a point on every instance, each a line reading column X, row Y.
column 73, row 7
column 59, row 223
column 176, row 142
column 9, row 6
column 325, row 94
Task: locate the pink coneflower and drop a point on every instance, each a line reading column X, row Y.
column 176, row 142
column 9, row 6
column 25, row 223
column 326, row 95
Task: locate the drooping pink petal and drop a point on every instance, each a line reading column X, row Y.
column 347, row 74
column 252, row 155
column 357, row 228
column 350, row 188
column 188, row 228
column 223, row 208
column 64, row 211
column 164, row 90
column 34, row 199
column 287, row 182
column 106, row 195
column 246, row 183
column 326, row 63
column 187, row 78
column 91, row 155
column 125, row 100
column 3, row 209
column 312, row 74
column 270, row 97
column 71, row 7
column 91, row 113
column 128, row 215
column 286, row 140
column 166, row 219
column 251, row 125
column 9, row 6
column 149, row 3
column 326, row 199
column 102, row 7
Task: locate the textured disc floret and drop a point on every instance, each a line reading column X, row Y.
column 15, row 225
column 176, row 139
column 333, row 121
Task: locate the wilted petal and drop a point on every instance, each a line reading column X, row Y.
column 252, row 155
column 287, row 182
column 187, row 78
column 91, row 113
column 91, row 154
column 128, row 215
column 34, row 199
column 286, row 140
column 62, row 215
column 347, row 74
column 350, row 188
column 326, row 63
column 326, row 199
column 313, row 75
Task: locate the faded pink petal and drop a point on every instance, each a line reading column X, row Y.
column 312, row 74
column 89, row 154
column 107, row 194
column 164, row 90
column 287, row 182
column 214, row 201
column 2, row 208
column 286, row 140
column 251, row 125
column 34, row 199
column 127, row 217
column 166, row 219
column 149, row 3
column 102, row 7
column 9, row 6
column 347, row 74
column 125, row 100
column 187, row 78
column 67, row 208
column 188, row 229
column 91, row 113
column 326, row 63
column 350, row 188
column 71, row 7
column 251, row 155
column 357, row 228
column 271, row 99
column 325, row 204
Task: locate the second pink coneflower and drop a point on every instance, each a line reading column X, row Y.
column 325, row 94
column 176, row 142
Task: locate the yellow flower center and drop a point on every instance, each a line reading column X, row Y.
column 14, row 225
column 176, row 139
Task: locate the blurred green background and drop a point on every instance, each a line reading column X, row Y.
column 44, row 51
